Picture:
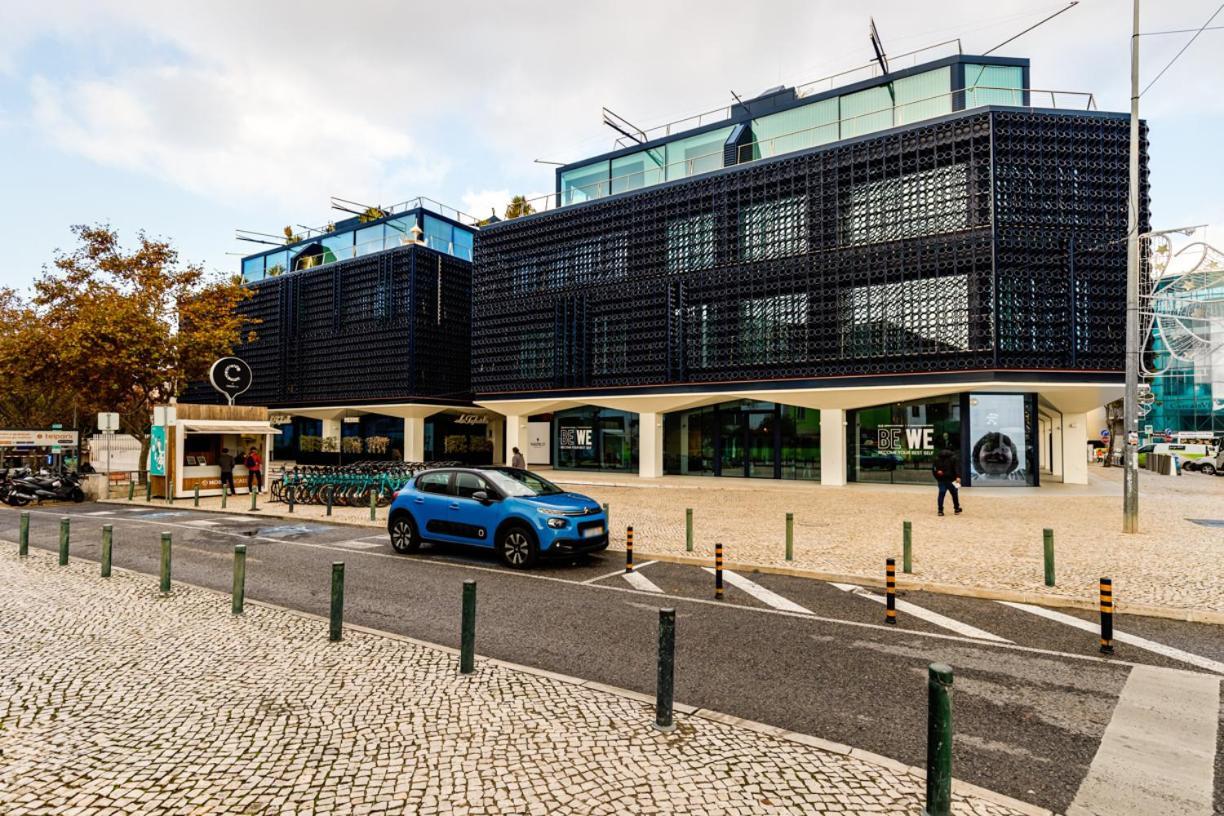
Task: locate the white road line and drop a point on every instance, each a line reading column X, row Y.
column 1122, row 637
column 639, row 581
column 202, row 523
column 358, row 544
column 608, row 575
column 765, row 596
column 100, row 513
column 1158, row 751
column 942, row 621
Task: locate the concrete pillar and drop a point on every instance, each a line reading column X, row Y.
column 497, row 433
column 1075, row 449
column 650, row 445
column 414, row 439
column 833, row 447
column 516, row 436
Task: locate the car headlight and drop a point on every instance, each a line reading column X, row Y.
column 557, row 523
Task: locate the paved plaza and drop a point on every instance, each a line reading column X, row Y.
column 1173, row 564
column 119, row 700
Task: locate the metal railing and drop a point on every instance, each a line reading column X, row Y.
column 842, row 128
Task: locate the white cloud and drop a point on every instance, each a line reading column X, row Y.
column 479, row 204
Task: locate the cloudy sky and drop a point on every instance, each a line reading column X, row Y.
column 189, row 120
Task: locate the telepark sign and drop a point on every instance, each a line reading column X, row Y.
column 15, row 439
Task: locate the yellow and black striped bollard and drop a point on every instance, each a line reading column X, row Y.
column 718, row 566
column 890, row 574
column 629, row 550
column 1107, row 609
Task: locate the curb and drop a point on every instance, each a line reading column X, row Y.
column 964, row 591
column 710, row 715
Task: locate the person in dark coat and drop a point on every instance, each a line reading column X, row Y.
column 226, row 461
column 947, row 475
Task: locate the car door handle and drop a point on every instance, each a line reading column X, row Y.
column 418, row 500
column 454, row 505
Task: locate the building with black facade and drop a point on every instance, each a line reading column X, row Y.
column 359, row 339
column 824, row 283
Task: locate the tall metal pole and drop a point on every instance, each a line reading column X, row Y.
column 1130, row 452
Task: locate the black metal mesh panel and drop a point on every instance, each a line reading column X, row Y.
column 363, row 330
column 872, row 257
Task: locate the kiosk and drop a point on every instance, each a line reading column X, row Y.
column 193, row 436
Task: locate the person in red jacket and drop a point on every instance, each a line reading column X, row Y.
column 254, row 466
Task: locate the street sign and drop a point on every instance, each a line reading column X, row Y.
column 57, row 426
column 108, row 421
column 56, row 449
column 231, row 376
column 1147, row 429
column 12, row 439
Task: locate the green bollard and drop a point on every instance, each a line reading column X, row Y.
column 224, row 495
column 148, row 489
column 330, row 492
column 688, row 529
column 107, row 537
column 131, row 489
column 665, row 679
column 196, row 495
column 907, row 547
column 939, row 740
column 607, row 518
column 23, row 539
column 337, row 602
column 790, row 536
column 63, row 550
column 290, row 496
column 1047, row 540
column 467, row 629
column 239, row 578
column 373, row 499
column 254, row 500
column 165, row 563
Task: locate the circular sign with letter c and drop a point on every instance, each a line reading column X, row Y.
column 231, row 376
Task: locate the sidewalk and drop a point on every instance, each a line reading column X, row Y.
column 1174, row 566
column 121, row 701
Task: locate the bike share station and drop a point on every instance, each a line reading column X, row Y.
column 186, row 439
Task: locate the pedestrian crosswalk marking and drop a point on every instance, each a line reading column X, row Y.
column 942, row 621
column 765, row 596
column 1158, row 752
column 1121, row 637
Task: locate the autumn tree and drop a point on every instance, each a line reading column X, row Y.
column 125, row 329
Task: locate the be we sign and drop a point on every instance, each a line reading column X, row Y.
column 576, row 438
column 911, row 437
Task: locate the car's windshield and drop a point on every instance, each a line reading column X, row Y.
column 515, row 482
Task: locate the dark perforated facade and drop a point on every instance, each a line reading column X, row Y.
column 387, row 327
column 988, row 240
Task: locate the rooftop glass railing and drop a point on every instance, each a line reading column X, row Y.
column 656, row 168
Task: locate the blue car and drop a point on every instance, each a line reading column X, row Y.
column 522, row 516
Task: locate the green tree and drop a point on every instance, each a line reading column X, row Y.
column 519, row 206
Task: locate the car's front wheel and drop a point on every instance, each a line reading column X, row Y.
column 404, row 538
column 517, row 547
column 1209, row 469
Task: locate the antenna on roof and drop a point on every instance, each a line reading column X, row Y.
column 1066, row 8
column 737, row 99
column 367, row 211
column 623, row 126
column 258, row 237
column 877, row 45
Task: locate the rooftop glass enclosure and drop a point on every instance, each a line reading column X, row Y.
column 784, row 120
column 353, row 238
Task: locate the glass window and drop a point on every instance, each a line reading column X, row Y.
column 923, row 316
column 923, row 203
column 795, row 129
column 584, row 183
column 800, row 443
column 337, row 246
column 866, row 111
column 468, row 484
column 999, row 452
column 895, row 444
column 253, row 269
column 993, row 85
column 923, row 96
column 696, row 154
column 435, row 482
column 463, row 244
column 596, row 438
column 276, row 263
column 688, row 441
column 637, row 170
column 438, row 234
column 773, row 229
column 773, row 329
column 368, row 239
column 690, row 243
column 398, row 231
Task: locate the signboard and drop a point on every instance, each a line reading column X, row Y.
column 231, row 376
column 108, row 421
column 157, row 451
column 13, row 439
column 905, row 437
column 538, row 452
column 471, row 419
column 280, row 419
column 57, row 426
column 998, row 453
column 576, row 438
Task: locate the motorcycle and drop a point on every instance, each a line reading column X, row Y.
column 7, row 479
column 61, row 487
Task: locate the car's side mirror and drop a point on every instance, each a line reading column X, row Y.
column 481, row 496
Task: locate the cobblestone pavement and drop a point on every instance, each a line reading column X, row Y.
column 118, row 700
column 996, row 544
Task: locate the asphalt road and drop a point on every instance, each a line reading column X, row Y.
column 1030, row 710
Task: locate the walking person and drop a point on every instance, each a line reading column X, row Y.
column 947, row 474
column 254, row 467
column 517, row 460
column 226, row 461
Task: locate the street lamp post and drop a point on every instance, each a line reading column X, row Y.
column 1130, row 410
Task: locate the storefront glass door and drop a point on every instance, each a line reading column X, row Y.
column 731, row 444
column 760, row 427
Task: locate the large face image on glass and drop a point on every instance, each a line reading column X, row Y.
column 997, row 423
column 994, row 454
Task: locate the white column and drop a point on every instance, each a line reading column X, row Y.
column 1075, row 449
column 414, row 439
column 832, row 447
column 516, row 435
column 650, row 445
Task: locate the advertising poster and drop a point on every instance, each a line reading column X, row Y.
column 997, row 455
column 157, row 451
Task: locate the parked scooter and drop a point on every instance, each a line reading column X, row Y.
column 7, row 479
column 55, row 487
